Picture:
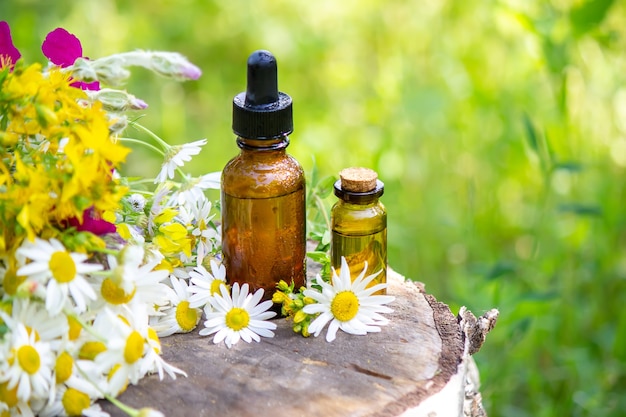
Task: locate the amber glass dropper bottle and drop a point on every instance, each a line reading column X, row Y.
column 263, row 188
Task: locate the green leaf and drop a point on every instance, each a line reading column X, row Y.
column 570, row 166
column 531, row 134
column 318, row 256
column 589, row 15
column 500, row 269
column 325, row 187
column 581, row 209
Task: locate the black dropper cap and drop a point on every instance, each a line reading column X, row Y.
column 262, row 112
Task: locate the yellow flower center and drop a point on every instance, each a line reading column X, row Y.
column 237, row 318
column 116, row 368
column 32, row 331
column 63, row 367
column 134, row 347
column 28, row 358
column 8, row 396
column 74, row 402
column 156, row 343
column 90, row 350
column 75, row 328
column 216, row 284
column 62, row 266
column 114, row 294
column 344, row 306
column 186, row 317
column 12, row 281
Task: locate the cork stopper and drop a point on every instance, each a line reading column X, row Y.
column 358, row 180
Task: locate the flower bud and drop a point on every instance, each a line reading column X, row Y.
column 278, row 297
column 117, row 123
column 174, row 65
column 283, row 286
column 111, row 70
column 299, row 317
column 150, row 412
column 83, row 70
column 117, row 100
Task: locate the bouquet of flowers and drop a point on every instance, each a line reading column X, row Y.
column 95, row 266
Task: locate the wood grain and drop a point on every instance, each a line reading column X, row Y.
column 381, row 374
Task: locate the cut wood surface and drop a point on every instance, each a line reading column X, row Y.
column 382, row 374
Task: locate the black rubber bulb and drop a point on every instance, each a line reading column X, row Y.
column 262, row 112
column 262, row 88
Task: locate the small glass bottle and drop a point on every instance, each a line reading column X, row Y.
column 263, row 188
column 359, row 224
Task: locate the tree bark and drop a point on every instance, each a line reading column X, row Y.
column 418, row 365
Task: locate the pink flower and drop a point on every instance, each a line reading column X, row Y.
column 8, row 52
column 62, row 48
column 91, row 222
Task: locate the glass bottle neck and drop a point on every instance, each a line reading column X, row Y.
column 363, row 203
column 263, row 144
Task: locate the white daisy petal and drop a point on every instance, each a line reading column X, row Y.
column 332, row 330
column 238, row 316
column 349, row 305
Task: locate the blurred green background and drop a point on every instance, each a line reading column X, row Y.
column 499, row 128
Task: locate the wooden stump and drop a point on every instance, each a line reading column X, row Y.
column 419, row 365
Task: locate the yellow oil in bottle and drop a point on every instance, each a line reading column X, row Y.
column 359, row 227
column 263, row 240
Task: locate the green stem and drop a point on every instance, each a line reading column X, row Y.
column 85, row 326
column 138, row 191
column 108, row 252
column 166, row 146
column 322, row 209
column 142, row 181
column 146, row 144
column 133, row 412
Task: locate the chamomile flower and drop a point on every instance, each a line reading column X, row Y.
column 133, row 281
column 62, row 272
column 36, row 319
column 238, row 317
column 137, row 202
column 29, row 363
column 126, row 347
column 196, row 215
column 348, row 305
column 154, row 362
column 180, row 317
column 192, row 188
column 73, row 401
column 204, row 284
column 176, row 157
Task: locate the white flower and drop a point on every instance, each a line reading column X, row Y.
column 180, row 317
column 196, row 216
column 74, row 400
column 176, row 157
column 158, row 205
column 204, row 284
column 192, row 189
column 154, row 362
column 150, row 412
column 133, row 281
column 126, row 347
column 62, row 272
column 29, row 364
column 35, row 317
column 137, row 202
column 238, row 317
column 349, row 306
